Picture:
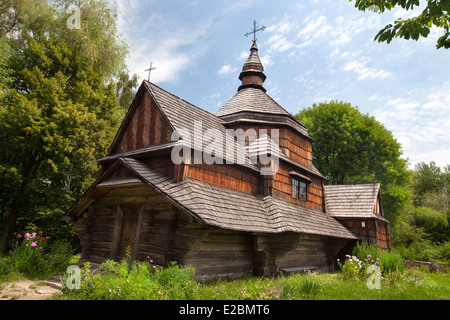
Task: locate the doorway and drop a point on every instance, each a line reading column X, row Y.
column 127, row 231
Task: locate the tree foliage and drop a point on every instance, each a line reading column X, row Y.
column 435, row 14
column 58, row 112
column 126, row 89
column 423, row 231
column 431, row 186
column 352, row 147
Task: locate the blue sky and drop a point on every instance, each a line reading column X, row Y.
column 312, row 51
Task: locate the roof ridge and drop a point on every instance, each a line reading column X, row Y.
column 354, row 184
column 149, row 84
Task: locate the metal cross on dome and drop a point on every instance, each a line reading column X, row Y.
column 150, row 70
column 255, row 30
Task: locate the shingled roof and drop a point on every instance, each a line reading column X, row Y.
column 235, row 210
column 228, row 208
column 352, row 201
column 253, row 100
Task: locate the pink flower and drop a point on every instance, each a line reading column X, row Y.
column 33, row 235
column 27, row 235
column 34, row 244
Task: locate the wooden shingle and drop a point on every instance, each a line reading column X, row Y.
column 352, row 201
column 234, row 210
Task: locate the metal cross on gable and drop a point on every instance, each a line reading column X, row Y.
column 255, row 30
column 150, row 70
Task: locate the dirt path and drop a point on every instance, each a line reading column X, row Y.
column 29, row 289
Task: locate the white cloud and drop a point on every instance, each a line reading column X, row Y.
column 266, row 60
column 314, row 28
column 227, row 69
column 283, row 27
column 439, row 101
column 364, row 72
column 402, row 104
column 334, row 53
column 172, row 49
column 279, row 43
column 421, row 124
column 281, row 40
column 243, row 55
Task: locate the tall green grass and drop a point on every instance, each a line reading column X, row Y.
column 133, row 280
column 389, row 261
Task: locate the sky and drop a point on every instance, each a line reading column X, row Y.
column 313, row 51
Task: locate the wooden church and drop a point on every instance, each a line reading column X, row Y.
column 224, row 218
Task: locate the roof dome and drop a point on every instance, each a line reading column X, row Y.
column 252, row 75
column 252, row 103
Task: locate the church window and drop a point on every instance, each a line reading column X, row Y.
column 295, row 186
column 303, row 191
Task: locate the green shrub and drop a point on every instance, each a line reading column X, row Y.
column 59, row 256
column 6, row 265
column 133, row 280
column 444, row 251
column 33, row 256
column 177, row 281
column 352, row 267
column 28, row 256
column 387, row 261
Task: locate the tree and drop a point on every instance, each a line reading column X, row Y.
column 15, row 14
column 435, row 14
column 430, row 185
column 352, row 147
column 59, row 111
column 125, row 89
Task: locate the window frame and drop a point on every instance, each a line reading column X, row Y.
column 303, row 195
column 295, row 188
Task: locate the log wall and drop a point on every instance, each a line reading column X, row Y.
column 134, row 216
column 383, row 235
column 374, row 231
column 137, row 217
column 215, row 252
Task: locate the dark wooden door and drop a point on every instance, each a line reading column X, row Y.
column 128, row 232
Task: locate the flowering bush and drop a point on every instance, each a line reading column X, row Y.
column 365, row 256
column 369, row 261
column 29, row 253
column 351, row 269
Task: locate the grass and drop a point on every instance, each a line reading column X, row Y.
column 409, row 285
column 128, row 281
